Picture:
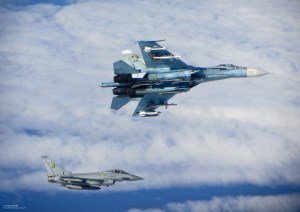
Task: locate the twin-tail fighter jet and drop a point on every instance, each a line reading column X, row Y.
column 160, row 76
column 85, row 181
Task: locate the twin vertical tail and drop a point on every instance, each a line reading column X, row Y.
column 121, row 67
column 53, row 168
column 124, row 69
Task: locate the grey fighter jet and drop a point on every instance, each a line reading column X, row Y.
column 85, row 181
column 160, row 76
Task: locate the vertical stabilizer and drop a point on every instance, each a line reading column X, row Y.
column 133, row 60
column 120, row 67
column 53, row 168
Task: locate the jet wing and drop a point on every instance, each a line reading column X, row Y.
column 150, row 102
column 156, row 56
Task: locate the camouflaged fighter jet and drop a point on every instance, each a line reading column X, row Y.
column 160, row 76
column 85, row 181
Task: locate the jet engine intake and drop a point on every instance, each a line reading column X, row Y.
column 127, row 78
column 123, row 78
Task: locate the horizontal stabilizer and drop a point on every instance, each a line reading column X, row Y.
column 118, row 102
column 120, row 67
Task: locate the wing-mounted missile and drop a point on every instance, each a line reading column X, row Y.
column 154, row 48
column 157, row 56
column 74, row 187
column 149, row 113
column 149, row 49
column 164, row 104
column 165, row 57
column 71, row 179
column 77, row 187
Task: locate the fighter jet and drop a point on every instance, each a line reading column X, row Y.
column 160, row 76
column 85, row 181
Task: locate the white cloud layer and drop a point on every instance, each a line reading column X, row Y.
column 231, row 131
column 241, row 203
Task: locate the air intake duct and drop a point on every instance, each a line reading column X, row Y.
column 123, row 78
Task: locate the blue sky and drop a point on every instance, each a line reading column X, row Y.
column 121, row 201
column 232, row 144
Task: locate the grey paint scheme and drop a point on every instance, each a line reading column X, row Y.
column 85, row 181
column 162, row 75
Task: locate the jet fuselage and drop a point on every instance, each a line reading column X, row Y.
column 85, row 181
column 176, row 81
column 160, row 75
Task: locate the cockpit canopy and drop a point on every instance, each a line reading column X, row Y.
column 119, row 171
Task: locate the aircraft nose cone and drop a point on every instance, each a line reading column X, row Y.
column 135, row 178
column 253, row 72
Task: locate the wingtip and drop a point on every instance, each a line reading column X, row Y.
column 135, row 114
column 159, row 40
